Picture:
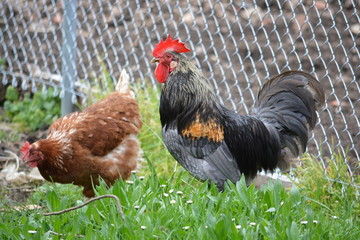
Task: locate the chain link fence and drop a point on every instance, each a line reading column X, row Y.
column 237, row 44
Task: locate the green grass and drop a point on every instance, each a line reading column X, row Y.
column 154, row 208
column 97, row 87
column 150, row 135
column 163, row 201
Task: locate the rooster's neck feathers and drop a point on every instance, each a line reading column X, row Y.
column 188, row 97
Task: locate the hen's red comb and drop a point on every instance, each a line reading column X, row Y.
column 169, row 45
column 25, row 149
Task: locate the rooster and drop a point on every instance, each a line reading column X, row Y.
column 100, row 141
column 217, row 144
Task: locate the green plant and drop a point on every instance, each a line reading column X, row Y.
column 332, row 185
column 31, row 113
column 2, row 62
column 9, row 136
column 150, row 135
column 162, row 202
column 180, row 207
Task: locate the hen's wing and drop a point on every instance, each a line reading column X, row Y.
column 101, row 127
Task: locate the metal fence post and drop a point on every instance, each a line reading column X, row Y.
column 68, row 53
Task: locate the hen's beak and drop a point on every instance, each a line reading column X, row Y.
column 25, row 157
column 155, row 60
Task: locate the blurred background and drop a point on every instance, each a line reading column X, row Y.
column 63, row 48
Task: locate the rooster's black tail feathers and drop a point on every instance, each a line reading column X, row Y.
column 288, row 103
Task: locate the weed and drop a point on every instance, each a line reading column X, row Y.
column 164, row 202
column 31, row 113
column 97, row 88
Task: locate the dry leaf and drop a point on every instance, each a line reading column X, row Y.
column 27, row 207
column 10, row 174
column 34, row 175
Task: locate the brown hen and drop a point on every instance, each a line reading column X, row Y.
column 100, row 141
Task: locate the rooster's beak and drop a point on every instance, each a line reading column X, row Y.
column 154, row 60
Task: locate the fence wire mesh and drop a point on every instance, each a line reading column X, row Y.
column 237, row 44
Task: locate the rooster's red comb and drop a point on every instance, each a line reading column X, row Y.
column 25, row 148
column 169, row 45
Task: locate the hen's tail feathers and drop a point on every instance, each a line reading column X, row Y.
column 288, row 103
column 123, row 83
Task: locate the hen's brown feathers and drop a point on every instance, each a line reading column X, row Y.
column 110, row 120
column 98, row 141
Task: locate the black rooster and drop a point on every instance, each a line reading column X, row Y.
column 213, row 142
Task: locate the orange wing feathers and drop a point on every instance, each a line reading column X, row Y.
column 198, row 129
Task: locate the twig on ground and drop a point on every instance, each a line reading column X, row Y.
column 28, row 188
column 11, row 156
column 5, row 159
column 61, row 234
column 89, row 201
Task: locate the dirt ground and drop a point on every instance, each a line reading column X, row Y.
column 236, row 46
